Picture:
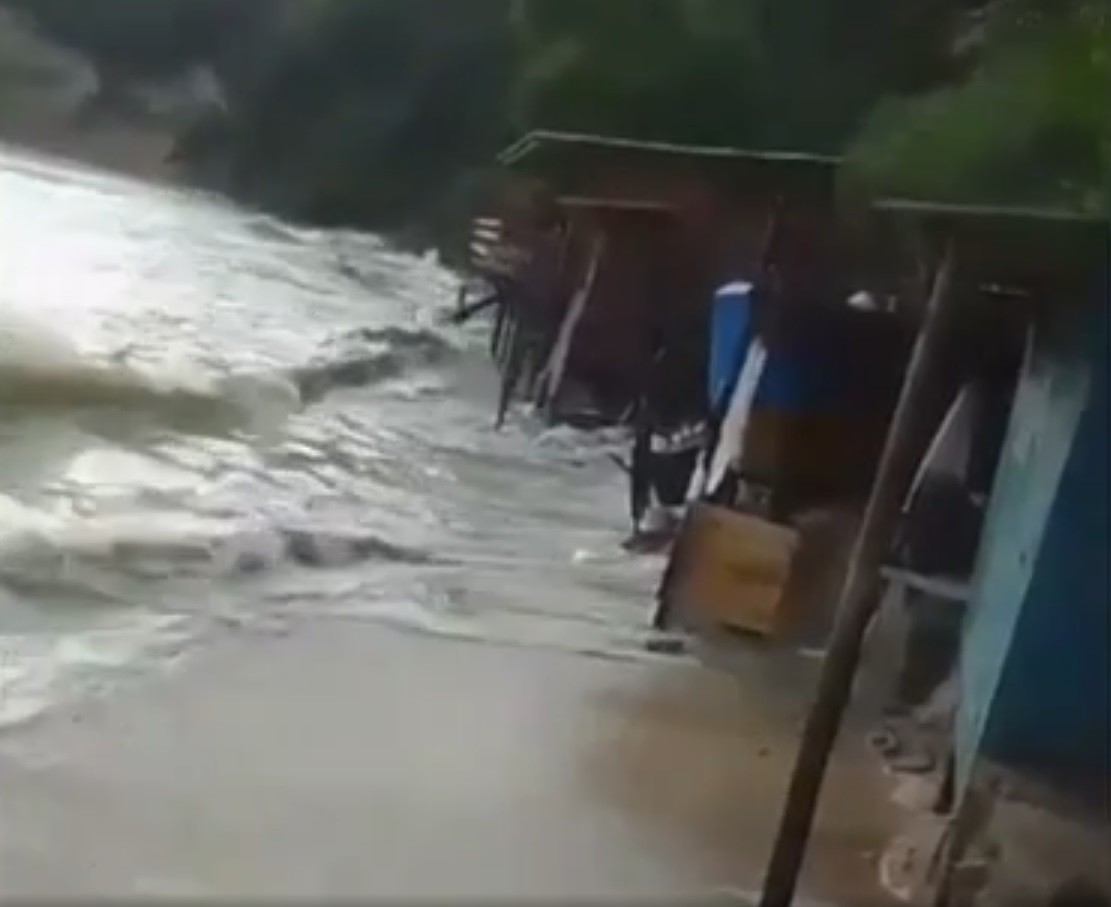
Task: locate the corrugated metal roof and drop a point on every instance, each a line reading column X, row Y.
column 529, row 144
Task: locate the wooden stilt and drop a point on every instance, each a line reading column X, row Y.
column 859, row 599
column 511, row 369
column 510, row 328
column 497, row 335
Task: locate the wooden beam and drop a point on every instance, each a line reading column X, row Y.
column 859, row 597
column 511, row 361
column 605, row 203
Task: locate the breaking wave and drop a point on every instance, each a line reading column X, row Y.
column 368, row 356
column 197, row 432
column 41, row 549
column 41, row 370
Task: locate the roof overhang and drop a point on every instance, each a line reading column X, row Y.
column 1041, row 247
column 569, row 160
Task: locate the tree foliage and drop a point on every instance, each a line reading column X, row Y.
column 131, row 38
column 1031, row 123
column 379, row 111
column 770, row 73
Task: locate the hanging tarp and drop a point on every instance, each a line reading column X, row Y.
column 552, row 376
column 729, row 448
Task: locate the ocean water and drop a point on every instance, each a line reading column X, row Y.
column 215, row 422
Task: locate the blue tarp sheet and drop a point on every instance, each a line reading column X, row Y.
column 730, row 333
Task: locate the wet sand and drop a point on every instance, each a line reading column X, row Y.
column 344, row 759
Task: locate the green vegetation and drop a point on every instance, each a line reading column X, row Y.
column 1030, row 123
column 387, row 113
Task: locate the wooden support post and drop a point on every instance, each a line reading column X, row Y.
column 512, row 361
column 859, row 598
column 498, row 329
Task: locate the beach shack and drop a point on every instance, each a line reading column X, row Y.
column 1033, row 720
column 1023, row 807
column 665, row 251
column 651, row 230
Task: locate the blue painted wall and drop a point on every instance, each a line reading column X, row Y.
column 1052, row 709
column 1027, row 562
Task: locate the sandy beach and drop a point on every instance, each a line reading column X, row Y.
column 347, row 760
